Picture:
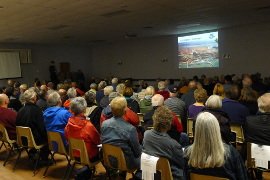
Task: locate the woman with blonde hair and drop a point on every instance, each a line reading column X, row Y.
column 219, row 90
column 209, row 155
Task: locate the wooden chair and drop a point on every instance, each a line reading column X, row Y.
column 238, row 130
column 4, row 138
column 163, row 166
column 56, row 146
column 79, row 145
column 25, row 133
column 116, row 152
column 194, row 176
column 190, row 128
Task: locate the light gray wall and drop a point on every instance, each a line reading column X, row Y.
column 248, row 46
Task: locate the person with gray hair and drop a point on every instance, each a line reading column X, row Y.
column 80, row 128
column 55, row 116
column 213, row 105
column 30, row 115
column 257, row 127
column 114, row 83
column 158, row 143
column 100, row 92
column 105, row 99
column 71, row 93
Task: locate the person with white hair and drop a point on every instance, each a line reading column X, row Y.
column 71, row 93
column 176, row 128
column 105, row 99
column 100, row 92
column 81, row 128
column 114, row 83
column 213, row 105
column 146, row 104
column 55, row 116
column 257, row 127
column 30, row 115
column 209, row 155
column 162, row 90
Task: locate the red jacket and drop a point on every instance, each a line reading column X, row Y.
column 164, row 93
column 80, row 128
column 176, row 122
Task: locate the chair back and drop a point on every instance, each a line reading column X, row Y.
column 116, row 152
column 25, row 133
column 163, row 166
column 55, row 138
column 140, row 117
column 4, row 135
column 238, row 130
column 250, row 160
column 78, row 145
column 190, row 127
column 194, row 176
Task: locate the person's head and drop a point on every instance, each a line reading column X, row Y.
column 10, row 83
column 30, row 96
column 162, row 119
column 108, row 90
column 102, row 85
column 62, row 92
column 90, row 98
column 228, row 79
column 78, row 105
column 200, row 95
column 264, row 103
column 113, row 95
column 248, row 95
column 71, row 93
column 149, row 91
column 114, row 80
column 157, row 100
column 44, row 87
column 232, row 92
column 192, row 84
column 161, row 85
column 173, row 89
column 247, row 81
column 50, row 85
column 93, row 86
column 208, row 150
column 54, row 99
column 120, row 88
column 4, row 100
column 214, row 102
column 128, row 92
column 9, row 91
column 23, row 88
column 118, row 106
column 219, row 90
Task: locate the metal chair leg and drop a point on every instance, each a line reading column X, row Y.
column 68, row 166
column 19, row 156
column 9, row 154
column 36, row 163
column 71, row 170
column 48, row 164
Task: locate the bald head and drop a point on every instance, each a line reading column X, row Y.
column 4, row 100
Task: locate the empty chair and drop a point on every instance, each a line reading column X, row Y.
column 237, row 128
column 79, row 145
column 26, row 141
column 5, row 139
column 194, row 176
column 111, row 151
column 56, row 146
column 190, row 127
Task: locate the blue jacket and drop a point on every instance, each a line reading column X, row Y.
column 56, row 119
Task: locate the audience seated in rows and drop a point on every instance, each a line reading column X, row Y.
column 200, row 96
column 55, row 116
column 116, row 131
column 14, row 101
column 213, row 158
column 80, row 128
column 7, row 117
column 157, row 142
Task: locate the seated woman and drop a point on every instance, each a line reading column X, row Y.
column 249, row 98
column 79, row 127
column 131, row 103
column 219, row 90
column 200, row 96
column 145, row 103
column 213, row 105
column 158, row 143
column 208, row 155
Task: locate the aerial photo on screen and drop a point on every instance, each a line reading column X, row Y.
column 198, row 51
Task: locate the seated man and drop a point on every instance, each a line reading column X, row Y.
column 81, row 128
column 116, row 131
column 158, row 143
column 8, row 117
column 55, row 116
column 257, row 127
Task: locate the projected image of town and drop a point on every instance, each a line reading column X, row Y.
column 198, row 51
